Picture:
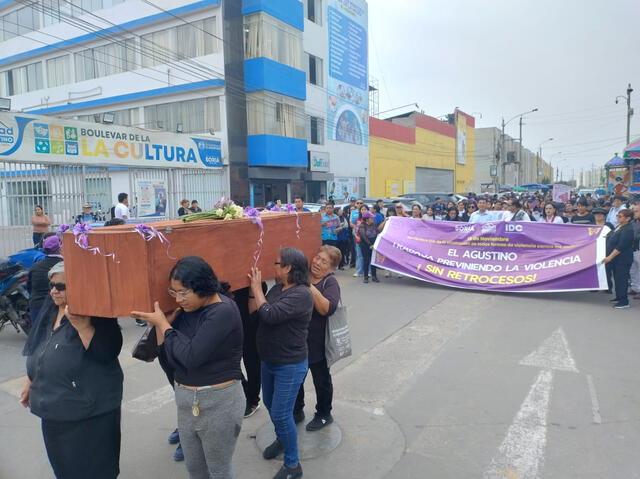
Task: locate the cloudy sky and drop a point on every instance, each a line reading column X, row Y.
column 498, row 58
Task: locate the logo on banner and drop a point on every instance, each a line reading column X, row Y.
column 55, row 139
column 210, row 152
column 7, row 134
column 513, row 227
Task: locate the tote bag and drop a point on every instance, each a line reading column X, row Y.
column 337, row 344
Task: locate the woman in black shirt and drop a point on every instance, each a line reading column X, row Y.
column 283, row 316
column 620, row 256
column 201, row 342
column 326, row 296
column 74, row 384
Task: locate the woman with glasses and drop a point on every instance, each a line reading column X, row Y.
column 200, row 345
column 283, row 324
column 74, row 384
column 471, row 208
column 452, row 215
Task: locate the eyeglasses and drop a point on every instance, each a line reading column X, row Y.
column 182, row 293
column 358, row 203
column 58, row 286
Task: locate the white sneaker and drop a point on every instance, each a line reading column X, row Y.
column 355, row 275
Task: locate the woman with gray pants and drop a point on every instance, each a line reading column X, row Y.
column 202, row 344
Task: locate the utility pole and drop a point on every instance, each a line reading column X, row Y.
column 503, row 158
column 519, row 166
column 629, row 111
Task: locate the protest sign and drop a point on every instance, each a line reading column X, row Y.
column 496, row 256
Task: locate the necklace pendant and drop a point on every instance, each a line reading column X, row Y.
column 195, row 410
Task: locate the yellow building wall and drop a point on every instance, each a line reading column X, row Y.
column 392, row 162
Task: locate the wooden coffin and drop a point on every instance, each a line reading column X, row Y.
column 99, row 286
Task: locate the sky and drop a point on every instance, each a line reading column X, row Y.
column 500, row 58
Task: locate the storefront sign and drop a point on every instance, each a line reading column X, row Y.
column 318, row 161
column 41, row 139
column 500, row 256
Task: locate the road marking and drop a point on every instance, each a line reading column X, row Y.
column 522, row 451
column 595, row 405
column 384, row 373
column 553, row 353
column 521, row 454
column 150, row 402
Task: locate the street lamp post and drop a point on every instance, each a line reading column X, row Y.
column 539, row 158
column 553, row 177
column 629, row 109
column 503, row 153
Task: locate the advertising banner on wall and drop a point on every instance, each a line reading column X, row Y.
column 560, row 193
column 348, row 85
column 42, row 139
column 152, row 197
column 500, row 256
column 618, row 181
column 461, row 140
column 344, row 188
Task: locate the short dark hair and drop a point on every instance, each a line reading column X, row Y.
column 299, row 273
column 626, row 213
column 115, row 222
column 516, row 203
column 38, row 206
column 122, row 197
column 194, row 201
column 300, row 197
column 196, row 274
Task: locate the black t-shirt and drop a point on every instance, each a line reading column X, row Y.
column 330, row 289
column 283, row 324
column 587, row 219
column 622, row 240
column 182, row 211
column 205, row 346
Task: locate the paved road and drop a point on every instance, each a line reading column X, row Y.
column 442, row 384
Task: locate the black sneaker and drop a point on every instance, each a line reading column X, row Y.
column 614, row 300
column 621, row 305
column 375, row 280
column 289, row 472
column 366, row 280
column 251, row 409
column 298, row 416
column 273, row 449
column 319, row 421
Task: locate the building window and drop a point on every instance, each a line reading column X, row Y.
column 105, row 60
column 191, row 40
column 270, row 38
column 195, row 116
column 58, row 71
column 315, row 133
column 272, row 114
column 314, row 70
column 314, row 11
column 21, row 80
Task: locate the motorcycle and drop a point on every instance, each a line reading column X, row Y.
column 14, row 297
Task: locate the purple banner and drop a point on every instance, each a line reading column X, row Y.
column 497, row 256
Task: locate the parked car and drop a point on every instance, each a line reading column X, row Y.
column 430, row 197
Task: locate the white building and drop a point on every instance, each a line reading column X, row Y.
column 275, row 81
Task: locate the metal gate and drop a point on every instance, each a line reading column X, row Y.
column 434, row 180
column 62, row 189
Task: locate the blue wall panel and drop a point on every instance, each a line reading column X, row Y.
column 271, row 150
column 289, row 11
column 266, row 74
